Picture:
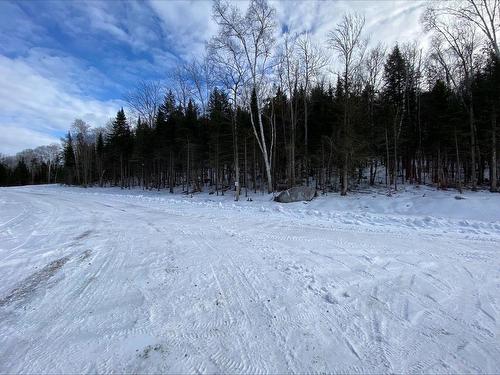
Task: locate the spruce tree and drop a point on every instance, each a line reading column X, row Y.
column 69, row 159
column 21, row 175
column 395, row 76
column 120, row 142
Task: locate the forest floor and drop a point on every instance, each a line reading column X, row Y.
column 126, row 281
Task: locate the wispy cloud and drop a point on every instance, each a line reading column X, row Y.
column 186, row 24
column 65, row 59
column 42, row 105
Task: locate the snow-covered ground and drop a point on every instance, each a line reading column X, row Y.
column 110, row 280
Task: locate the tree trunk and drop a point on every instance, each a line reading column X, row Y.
column 121, row 171
column 345, row 165
column 292, row 142
column 263, row 146
column 172, row 173
column 395, row 172
column 345, row 175
column 236, row 159
column 473, row 147
column 187, row 169
column 254, row 170
column 493, row 166
column 387, row 180
column 306, row 140
column 246, row 171
column 458, row 164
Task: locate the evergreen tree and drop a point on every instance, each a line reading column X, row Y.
column 21, row 175
column 120, row 142
column 69, row 160
column 4, row 175
column 394, row 96
column 99, row 149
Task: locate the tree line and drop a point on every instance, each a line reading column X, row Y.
column 264, row 112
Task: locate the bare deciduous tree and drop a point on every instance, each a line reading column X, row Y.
column 49, row 155
column 454, row 46
column 183, row 85
column 484, row 14
column 144, row 100
column 373, row 68
column 254, row 35
column 229, row 66
column 290, row 70
column 83, row 150
column 313, row 60
column 346, row 39
column 201, row 76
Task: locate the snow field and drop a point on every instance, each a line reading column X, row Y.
column 110, row 280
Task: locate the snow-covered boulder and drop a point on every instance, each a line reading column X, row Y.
column 296, row 194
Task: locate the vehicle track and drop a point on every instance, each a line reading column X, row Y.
column 158, row 286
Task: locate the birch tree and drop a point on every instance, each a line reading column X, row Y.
column 49, row 155
column 83, row 150
column 483, row 14
column 253, row 32
column 229, row 66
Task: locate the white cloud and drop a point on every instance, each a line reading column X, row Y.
column 187, row 24
column 386, row 21
column 40, row 104
column 15, row 138
column 42, row 90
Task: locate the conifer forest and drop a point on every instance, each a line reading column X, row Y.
column 265, row 112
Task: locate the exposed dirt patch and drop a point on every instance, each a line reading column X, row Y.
column 83, row 235
column 85, row 255
column 158, row 348
column 28, row 286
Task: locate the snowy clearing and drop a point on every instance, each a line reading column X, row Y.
column 110, row 280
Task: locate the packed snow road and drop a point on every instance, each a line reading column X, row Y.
column 99, row 280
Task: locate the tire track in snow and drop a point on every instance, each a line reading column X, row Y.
column 311, row 306
column 440, row 285
column 445, row 333
column 29, row 286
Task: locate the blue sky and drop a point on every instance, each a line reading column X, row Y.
column 61, row 60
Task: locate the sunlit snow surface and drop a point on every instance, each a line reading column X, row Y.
column 110, row 280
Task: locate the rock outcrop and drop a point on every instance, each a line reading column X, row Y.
column 296, row 194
